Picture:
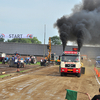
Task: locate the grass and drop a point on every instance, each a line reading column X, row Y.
column 38, row 63
column 92, row 66
column 2, row 76
column 1, row 63
column 24, row 70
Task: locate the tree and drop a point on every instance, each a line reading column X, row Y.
column 55, row 40
column 35, row 40
column 1, row 39
column 25, row 40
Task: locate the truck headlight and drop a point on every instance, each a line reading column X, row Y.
column 63, row 69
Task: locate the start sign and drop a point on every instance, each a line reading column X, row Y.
column 16, row 36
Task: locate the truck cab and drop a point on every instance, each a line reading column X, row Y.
column 70, row 63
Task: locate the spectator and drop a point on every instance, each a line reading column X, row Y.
column 12, row 57
column 8, row 59
column 18, row 65
column 41, row 61
column 96, row 97
column 18, row 56
column 15, row 52
column 29, row 61
column 26, row 60
column 44, row 62
column 15, row 57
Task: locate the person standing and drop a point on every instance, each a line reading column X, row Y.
column 45, row 62
column 29, row 61
column 41, row 61
column 96, row 97
column 18, row 65
column 26, row 60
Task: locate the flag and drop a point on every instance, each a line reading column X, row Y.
column 71, row 95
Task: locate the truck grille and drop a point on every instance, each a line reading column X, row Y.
column 70, row 65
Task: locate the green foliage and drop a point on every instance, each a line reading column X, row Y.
column 23, row 40
column 1, row 39
column 38, row 63
column 2, row 76
column 55, row 40
column 25, row 70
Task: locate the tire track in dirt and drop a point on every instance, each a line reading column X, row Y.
column 47, row 84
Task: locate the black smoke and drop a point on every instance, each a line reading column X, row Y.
column 82, row 26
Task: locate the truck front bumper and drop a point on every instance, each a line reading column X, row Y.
column 70, row 70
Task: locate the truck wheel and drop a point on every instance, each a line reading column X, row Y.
column 79, row 74
column 62, row 74
column 2, row 62
column 83, row 70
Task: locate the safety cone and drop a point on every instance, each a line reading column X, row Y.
column 96, row 70
column 98, row 74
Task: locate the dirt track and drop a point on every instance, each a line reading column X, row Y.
column 7, row 69
column 47, row 84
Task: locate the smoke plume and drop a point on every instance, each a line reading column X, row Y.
column 82, row 26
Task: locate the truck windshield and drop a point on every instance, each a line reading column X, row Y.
column 68, row 58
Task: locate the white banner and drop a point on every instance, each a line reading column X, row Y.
column 10, row 36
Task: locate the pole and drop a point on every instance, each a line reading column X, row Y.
column 79, row 92
column 44, row 38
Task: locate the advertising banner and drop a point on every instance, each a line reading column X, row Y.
column 10, row 36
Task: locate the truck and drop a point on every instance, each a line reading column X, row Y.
column 2, row 55
column 33, row 60
column 5, row 60
column 52, row 57
column 13, row 61
column 97, row 64
column 71, row 64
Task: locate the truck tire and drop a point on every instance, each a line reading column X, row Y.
column 61, row 74
column 2, row 62
column 79, row 74
column 83, row 70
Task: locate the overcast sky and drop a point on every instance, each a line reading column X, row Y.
column 30, row 16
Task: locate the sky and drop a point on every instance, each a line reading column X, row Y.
column 34, row 17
